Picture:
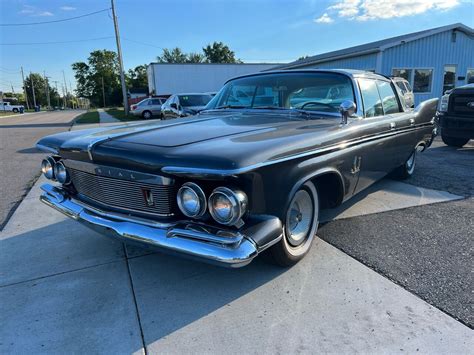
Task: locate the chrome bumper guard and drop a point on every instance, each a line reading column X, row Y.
column 194, row 240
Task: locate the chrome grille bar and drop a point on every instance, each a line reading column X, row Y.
column 124, row 194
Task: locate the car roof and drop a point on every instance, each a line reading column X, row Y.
column 353, row 73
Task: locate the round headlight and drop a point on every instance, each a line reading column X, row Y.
column 47, row 167
column 191, row 200
column 61, row 173
column 227, row 206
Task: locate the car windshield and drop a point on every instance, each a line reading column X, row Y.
column 194, row 100
column 322, row 92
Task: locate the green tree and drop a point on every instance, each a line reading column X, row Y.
column 39, row 83
column 303, row 57
column 218, row 52
column 101, row 65
column 195, row 58
column 137, row 77
column 175, row 55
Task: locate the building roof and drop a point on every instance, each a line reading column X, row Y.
column 376, row 46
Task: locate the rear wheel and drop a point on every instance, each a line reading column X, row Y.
column 301, row 223
column 406, row 170
column 146, row 115
column 454, row 142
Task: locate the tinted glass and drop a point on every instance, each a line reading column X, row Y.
column 156, row 102
column 402, row 73
column 371, row 98
column 323, row 92
column 449, row 79
column 389, row 100
column 194, row 100
column 143, row 102
column 422, row 80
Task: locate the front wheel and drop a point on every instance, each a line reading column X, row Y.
column 300, row 226
column 15, row 110
column 454, row 142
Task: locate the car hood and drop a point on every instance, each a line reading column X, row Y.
column 224, row 140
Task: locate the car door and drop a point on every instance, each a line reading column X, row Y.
column 155, row 106
column 379, row 151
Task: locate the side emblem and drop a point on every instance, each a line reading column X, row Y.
column 148, row 196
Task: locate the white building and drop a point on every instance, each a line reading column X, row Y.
column 166, row 79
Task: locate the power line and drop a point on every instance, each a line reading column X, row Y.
column 54, row 21
column 56, row 42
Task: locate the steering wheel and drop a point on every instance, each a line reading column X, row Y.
column 315, row 103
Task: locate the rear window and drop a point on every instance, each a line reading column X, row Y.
column 194, row 100
column 389, row 100
column 371, row 98
column 402, row 87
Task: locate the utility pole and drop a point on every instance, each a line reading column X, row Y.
column 59, row 95
column 72, row 95
column 24, row 88
column 13, row 90
column 119, row 53
column 103, row 92
column 65, row 86
column 46, row 84
column 33, row 89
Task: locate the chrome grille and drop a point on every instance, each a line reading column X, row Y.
column 124, row 194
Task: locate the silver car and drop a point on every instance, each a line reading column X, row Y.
column 406, row 90
column 148, row 108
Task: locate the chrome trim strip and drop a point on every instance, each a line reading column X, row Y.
column 231, row 250
column 118, row 173
column 46, row 149
column 203, row 172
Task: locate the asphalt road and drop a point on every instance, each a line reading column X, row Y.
column 20, row 159
column 427, row 249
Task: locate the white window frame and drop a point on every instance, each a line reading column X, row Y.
column 412, row 77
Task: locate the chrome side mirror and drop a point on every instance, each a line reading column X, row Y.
column 347, row 109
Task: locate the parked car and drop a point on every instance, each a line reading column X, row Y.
column 249, row 174
column 406, row 90
column 7, row 106
column 148, row 108
column 182, row 105
column 456, row 116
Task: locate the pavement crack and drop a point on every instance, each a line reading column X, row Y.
column 135, row 299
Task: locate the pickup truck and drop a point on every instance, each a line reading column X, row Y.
column 7, row 106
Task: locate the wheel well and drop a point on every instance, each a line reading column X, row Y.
column 330, row 189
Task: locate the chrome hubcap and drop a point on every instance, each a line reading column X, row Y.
column 299, row 218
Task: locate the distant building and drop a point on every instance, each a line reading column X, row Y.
column 433, row 61
column 136, row 95
column 165, row 79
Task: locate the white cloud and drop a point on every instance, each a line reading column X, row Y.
column 67, row 8
column 44, row 14
column 27, row 9
column 363, row 10
column 34, row 11
column 324, row 19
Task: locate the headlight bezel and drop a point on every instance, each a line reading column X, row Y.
column 47, row 167
column 444, row 103
column 238, row 200
column 61, row 174
column 201, row 199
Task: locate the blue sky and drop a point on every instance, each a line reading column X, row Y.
column 257, row 30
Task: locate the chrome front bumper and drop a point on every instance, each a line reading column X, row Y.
column 194, row 240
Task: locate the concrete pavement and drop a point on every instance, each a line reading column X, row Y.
column 73, row 281
column 104, row 117
column 20, row 159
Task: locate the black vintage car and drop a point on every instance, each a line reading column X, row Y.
column 456, row 116
column 248, row 174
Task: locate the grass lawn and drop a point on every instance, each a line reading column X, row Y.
column 91, row 116
column 119, row 113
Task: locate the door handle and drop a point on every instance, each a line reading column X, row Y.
column 412, row 121
column 392, row 125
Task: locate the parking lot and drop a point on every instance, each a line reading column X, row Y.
column 390, row 272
